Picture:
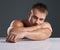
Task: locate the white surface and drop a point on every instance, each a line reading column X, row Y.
column 49, row 44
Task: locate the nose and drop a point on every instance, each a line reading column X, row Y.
column 37, row 21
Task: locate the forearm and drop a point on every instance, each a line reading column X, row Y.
column 39, row 34
column 23, row 30
column 28, row 29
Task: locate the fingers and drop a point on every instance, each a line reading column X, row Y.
column 11, row 38
column 14, row 38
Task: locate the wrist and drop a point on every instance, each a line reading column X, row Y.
column 23, row 34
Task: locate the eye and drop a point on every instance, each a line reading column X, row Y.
column 41, row 19
column 35, row 17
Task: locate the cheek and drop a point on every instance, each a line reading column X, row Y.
column 33, row 20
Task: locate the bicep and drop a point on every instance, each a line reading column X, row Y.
column 44, row 32
column 14, row 24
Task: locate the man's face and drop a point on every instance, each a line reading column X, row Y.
column 36, row 17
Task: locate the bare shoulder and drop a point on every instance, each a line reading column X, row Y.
column 16, row 23
column 47, row 25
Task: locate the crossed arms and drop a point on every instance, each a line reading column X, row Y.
column 38, row 32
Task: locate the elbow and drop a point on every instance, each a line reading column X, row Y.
column 43, row 37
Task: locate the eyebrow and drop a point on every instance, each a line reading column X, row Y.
column 37, row 18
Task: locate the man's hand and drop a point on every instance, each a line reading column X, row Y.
column 14, row 37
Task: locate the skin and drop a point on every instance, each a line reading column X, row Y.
column 34, row 28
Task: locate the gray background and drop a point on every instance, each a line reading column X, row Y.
column 18, row 9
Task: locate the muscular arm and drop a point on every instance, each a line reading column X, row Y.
column 14, row 24
column 18, row 25
column 12, row 33
column 33, row 31
column 41, row 33
column 37, row 32
column 17, row 30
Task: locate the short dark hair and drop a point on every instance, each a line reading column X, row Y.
column 41, row 7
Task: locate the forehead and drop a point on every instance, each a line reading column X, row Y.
column 37, row 13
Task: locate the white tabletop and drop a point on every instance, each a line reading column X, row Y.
column 48, row 44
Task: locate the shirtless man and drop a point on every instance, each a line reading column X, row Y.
column 34, row 28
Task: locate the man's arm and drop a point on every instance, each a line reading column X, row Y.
column 14, row 24
column 12, row 32
column 40, row 34
column 25, row 29
column 37, row 32
column 18, row 25
column 17, row 30
column 34, row 32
